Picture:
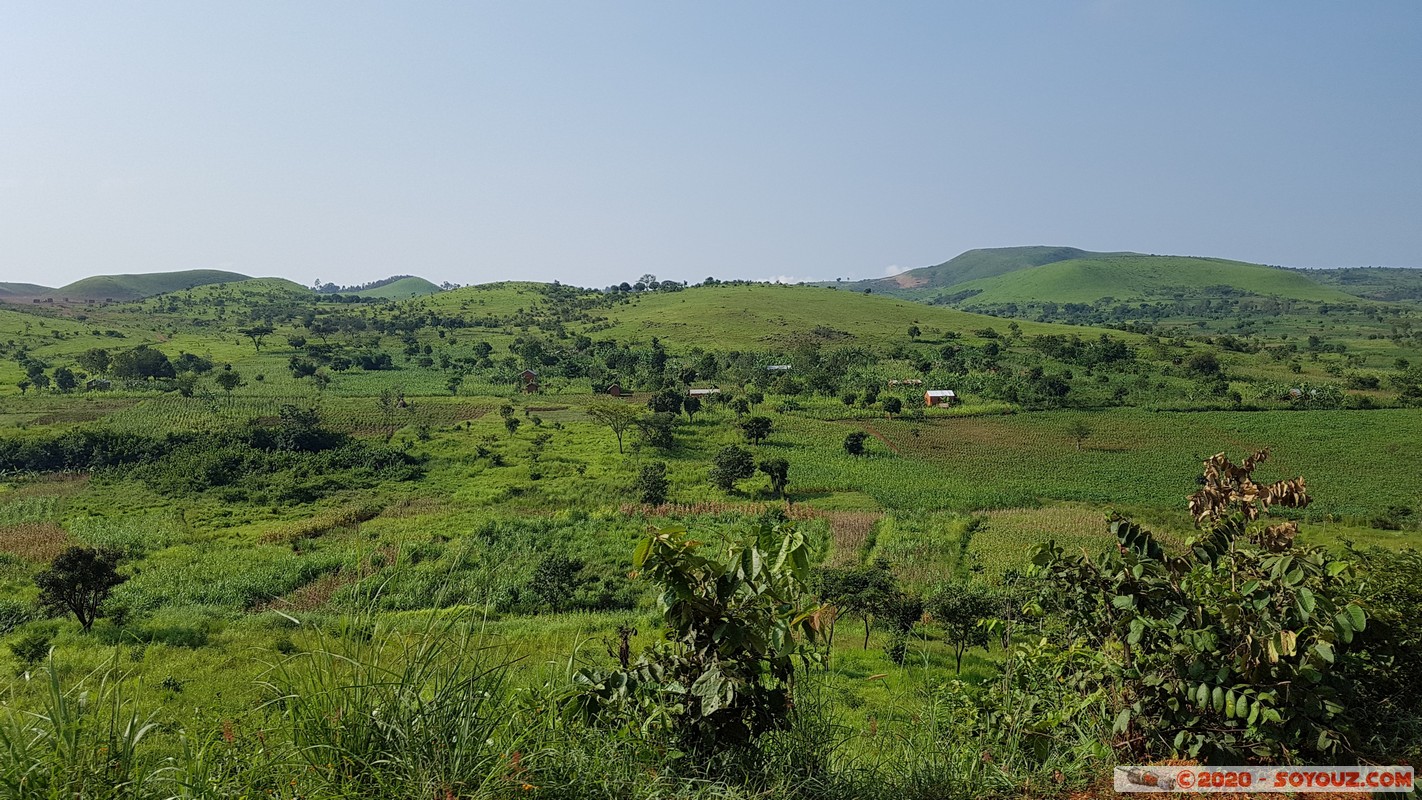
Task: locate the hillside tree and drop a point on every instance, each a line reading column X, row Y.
column 618, row 417
column 731, row 464
column 756, row 428
column 78, row 581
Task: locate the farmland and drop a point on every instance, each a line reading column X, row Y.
column 290, row 480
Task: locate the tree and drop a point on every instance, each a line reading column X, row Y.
column 893, row 405
column 24, row 385
column 652, row 485
column 731, row 464
column 740, row 406
column 64, row 379
column 390, row 401
column 228, row 379
column 667, row 401
column 256, row 333
column 755, row 398
column 959, row 608
column 616, row 416
column 95, row 360
column 142, row 362
column 860, row 591
column 778, row 470
column 854, row 443
column 511, row 424
column 1079, row 430
column 556, row 579
column 914, row 332
column 79, row 580
column 1203, row 365
column 658, row 430
column 691, row 405
column 756, row 428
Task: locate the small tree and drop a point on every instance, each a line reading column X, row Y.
column 893, row 405
column 256, row 333
column 860, row 591
column 732, row 464
column 778, row 470
column 79, row 580
column 854, row 443
column 658, row 429
column 556, row 579
column 691, row 405
column 1080, row 431
column 756, row 428
column 668, row 401
column 24, row 385
column 64, row 379
column 95, row 360
column 619, row 417
column 228, row 379
column 652, row 485
column 959, row 609
column 914, row 332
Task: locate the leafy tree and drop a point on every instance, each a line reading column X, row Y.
column 893, row 405
column 755, row 398
column 556, row 579
column 914, row 332
column 228, row 379
column 1203, row 365
column 960, row 610
column 854, row 443
column 256, row 333
column 142, row 362
column 691, row 405
column 1079, row 430
column 391, row 400
column 79, row 580
column 652, row 485
column 667, row 401
column 618, row 417
column 731, row 464
column 901, row 612
column 24, row 385
column 1241, row 647
column 511, row 424
column 64, row 379
column 860, row 591
column 94, row 361
column 778, row 470
column 658, row 430
column 741, row 406
column 756, row 428
column 736, row 628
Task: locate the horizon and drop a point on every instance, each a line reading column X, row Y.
column 471, row 144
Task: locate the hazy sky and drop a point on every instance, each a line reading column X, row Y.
column 592, row 142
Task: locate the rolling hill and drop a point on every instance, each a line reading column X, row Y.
column 1140, row 278
column 401, row 289
column 133, row 287
column 968, row 266
column 8, row 290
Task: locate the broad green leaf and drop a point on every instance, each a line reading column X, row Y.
column 1123, row 721
column 1356, row 618
column 1307, row 602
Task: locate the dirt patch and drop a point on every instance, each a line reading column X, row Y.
column 849, row 531
column 36, row 542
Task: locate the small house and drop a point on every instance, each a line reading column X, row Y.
column 97, row 383
column 940, row 397
column 528, row 376
column 778, row 368
column 615, row 390
column 911, row 382
column 702, row 392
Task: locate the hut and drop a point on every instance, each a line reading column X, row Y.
column 940, row 397
column 614, row 389
column 702, row 392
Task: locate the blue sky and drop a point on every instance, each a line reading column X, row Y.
column 595, row 142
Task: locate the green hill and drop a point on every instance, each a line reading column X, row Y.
column 1387, row 284
column 401, row 289
column 133, row 287
column 972, row 265
column 8, row 290
column 761, row 316
column 1138, row 278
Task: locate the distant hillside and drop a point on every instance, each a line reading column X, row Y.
column 133, row 287
column 22, row 290
column 1137, row 278
column 972, row 265
column 409, row 286
column 1371, row 283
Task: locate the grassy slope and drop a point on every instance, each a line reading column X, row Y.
column 22, row 289
column 401, row 289
column 764, row 316
column 132, row 287
column 970, row 265
column 1372, row 283
column 1143, row 278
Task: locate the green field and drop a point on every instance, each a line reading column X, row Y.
column 269, row 551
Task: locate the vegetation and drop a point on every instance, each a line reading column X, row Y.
column 369, row 558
